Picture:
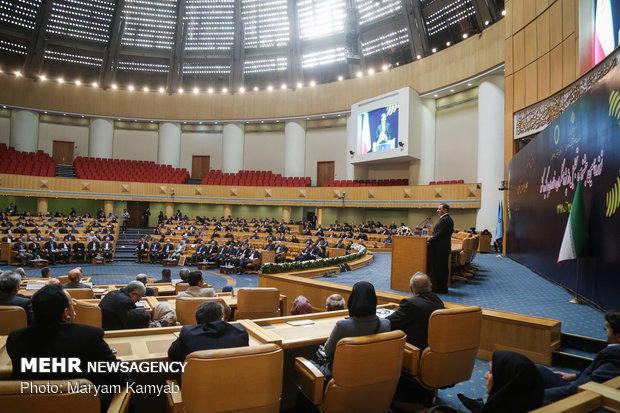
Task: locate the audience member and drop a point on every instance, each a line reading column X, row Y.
column 9, row 286
column 137, row 318
column 75, row 275
column 335, row 302
column 183, row 273
column 413, row 313
column 301, row 305
column 163, row 316
column 210, row 333
column 115, row 304
column 144, row 279
column 45, row 272
column 605, row 366
column 20, row 271
column 166, row 277
column 53, row 334
column 195, row 289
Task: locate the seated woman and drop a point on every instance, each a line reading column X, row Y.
column 362, row 321
column 514, row 385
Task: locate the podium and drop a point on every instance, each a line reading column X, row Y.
column 409, row 255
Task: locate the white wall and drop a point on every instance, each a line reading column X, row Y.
column 5, row 130
column 264, row 152
column 50, row 132
column 394, row 170
column 135, row 145
column 456, row 150
column 201, row 143
column 326, row 145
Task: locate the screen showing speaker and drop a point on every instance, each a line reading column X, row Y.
column 378, row 130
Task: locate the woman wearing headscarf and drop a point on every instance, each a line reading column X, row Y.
column 163, row 316
column 301, row 305
column 362, row 320
column 514, row 385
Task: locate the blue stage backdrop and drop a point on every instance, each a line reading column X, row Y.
column 582, row 144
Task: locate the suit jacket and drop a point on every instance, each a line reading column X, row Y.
column 107, row 246
column 442, row 234
column 168, row 248
column 156, row 246
column 197, row 291
column 78, row 246
column 92, row 244
column 412, row 317
column 73, row 284
column 62, row 340
column 605, row 366
column 50, row 245
column 18, row 300
column 207, row 336
column 114, row 306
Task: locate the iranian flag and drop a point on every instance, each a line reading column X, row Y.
column 576, row 239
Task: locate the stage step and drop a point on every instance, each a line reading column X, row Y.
column 576, row 352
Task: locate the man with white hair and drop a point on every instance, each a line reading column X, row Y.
column 413, row 313
column 143, row 278
column 9, row 286
column 115, row 304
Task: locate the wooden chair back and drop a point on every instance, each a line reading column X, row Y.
column 63, row 279
column 80, row 293
column 453, row 341
column 12, row 317
column 186, row 307
column 180, row 287
column 213, row 376
column 367, row 386
column 87, row 313
column 255, row 303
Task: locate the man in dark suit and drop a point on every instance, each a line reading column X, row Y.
column 50, row 248
column 53, row 326
column 413, row 313
column 440, row 245
column 92, row 249
column 280, row 251
column 108, row 249
column 210, row 333
column 115, row 304
column 166, row 277
column 166, row 250
column 605, row 366
column 22, row 252
column 75, row 278
column 142, row 249
column 200, row 254
column 79, row 251
column 64, row 251
column 154, row 252
column 9, row 286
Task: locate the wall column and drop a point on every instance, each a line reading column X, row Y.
column 232, row 148
column 42, row 205
column 490, row 149
column 227, row 211
column 169, row 145
column 24, row 130
column 169, row 209
column 100, row 138
column 351, row 146
column 319, row 216
column 108, row 207
column 426, row 172
column 286, row 213
column 295, row 148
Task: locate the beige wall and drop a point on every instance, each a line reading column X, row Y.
column 5, row 130
column 264, row 152
column 398, row 170
column 456, row 145
column 135, row 145
column 200, row 143
column 50, row 132
column 326, row 145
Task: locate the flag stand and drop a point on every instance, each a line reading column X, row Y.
column 576, row 299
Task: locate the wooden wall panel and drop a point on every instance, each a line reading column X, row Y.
column 555, row 24
column 542, row 34
column 517, row 15
column 519, row 90
column 569, row 60
column 508, row 56
column 568, row 18
column 531, row 84
column 529, row 11
column 508, row 19
column 543, row 77
column 530, row 43
column 556, row 72
column 541, row 6
column 508, row 117
column 518, row 50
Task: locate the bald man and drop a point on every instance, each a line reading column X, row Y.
column 75, row 275
column 335, row 302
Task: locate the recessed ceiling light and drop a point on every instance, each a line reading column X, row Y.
column 371, row 71
column 61, row 80
column 469, row 84
column 131, row 88
column 384, row 67
column 283, row 86
column 435, row 95
column 486, row 22
column 448, row 43
column 434, row 49
column 464, row 35
column 196, row 90
column 43, row 77
column 241, row 89
column 114, row 86
column 255, row 88
column 299, row 84
column 312, row 83
column 340, row 78
column 225, row 90
column 180, row 90
column 78, row 82
column 95, row 84
column 210, row 90
column 269, row 88
column 146, row 89
column 419, row 56
column 162, row 90
column 18, row 73
column 359, row 74
column 451, row 90
column 503, row 12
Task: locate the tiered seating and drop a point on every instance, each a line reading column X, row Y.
column 128, row 171
column 25, row 163
column 368, row 182
column 253, row 178
column 454, row 181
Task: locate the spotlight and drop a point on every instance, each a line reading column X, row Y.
column 131, row 88
column 114, row 86
column 61, row 80
column 78, row 82
column 196, row 90
column 225, row 90
column 145, row 89
column 43, row 77
column 162, row 90
column 401, row 144
column 299, row 85
column 269, row 88
column 94, row 84
column 351, row 153
column 340, row 78
column 312, row 83
column 283, row 86
column 241, row 89
column 464, row 35
column 180, row 90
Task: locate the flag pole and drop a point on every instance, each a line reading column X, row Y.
column 576, row 299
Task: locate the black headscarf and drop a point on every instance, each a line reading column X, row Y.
column 363, row 300
column 517, row 384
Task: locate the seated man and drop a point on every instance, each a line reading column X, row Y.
column 270, row 246
column 142, row 249
column 308, row 253
column 50, row 248
column 605, row 366
column 92, row 249
column 210, row 333
column 334, row 302
column 115, row 304
column 280, row 251
column 54, row 326
column 21, row 250
column 79, row 251
column 154, row 252
column 195, row 281
column 166, row 250
column 35, row 249
column 253, row 258
column 143, row 278
column 107, row 248
column 75, row 275
column 166, row 277
column 413, row 313
column 200, row 254
column 137, row 318
column 9, row 286
column 178, row 250
column 64, row 252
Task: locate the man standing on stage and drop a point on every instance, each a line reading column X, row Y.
column 440, row 246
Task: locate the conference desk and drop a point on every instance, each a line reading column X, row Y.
column 29, row 286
